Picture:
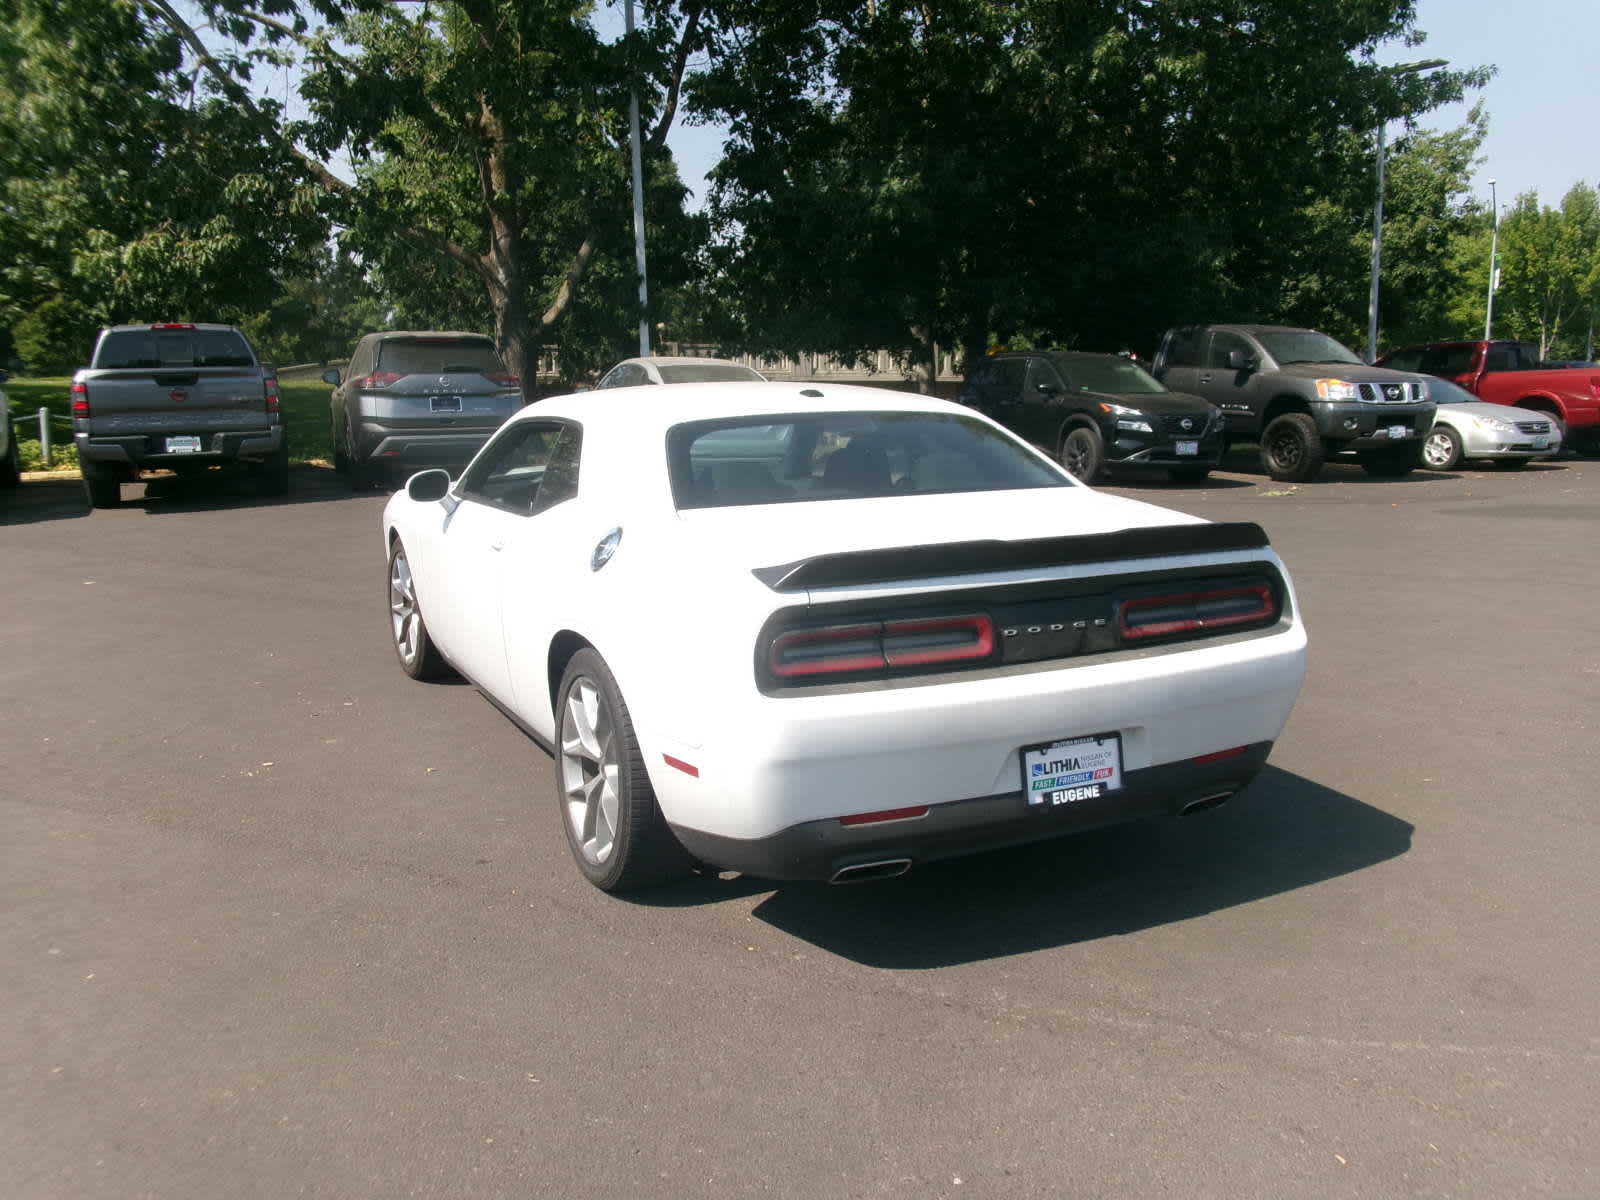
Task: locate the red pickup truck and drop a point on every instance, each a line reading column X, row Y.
column 1504, row 372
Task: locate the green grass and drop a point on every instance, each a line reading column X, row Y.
column 305, row 405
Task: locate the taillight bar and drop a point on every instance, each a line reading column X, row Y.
column 881, row 645
column 886, row 814
column 80, row 400
column 1191, row 612
column 505, row 379
column 378, row 379
column 274, row 402
column 174, row 325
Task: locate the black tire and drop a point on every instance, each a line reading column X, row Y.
column 1440, row 449
column 1389, row 464
column 341, row 460
column 272, row 474
column 1512, row 464
column 1291, row 451
column 1188, row 474
column 419, row 657
column 641, row 849
column 11, row 468
column 102, row 483
column 1083, row 453
column 362, row 475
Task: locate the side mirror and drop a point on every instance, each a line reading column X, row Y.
column 427, row 486
column 331, row 377
column 1047, row 389
column 1241, row 360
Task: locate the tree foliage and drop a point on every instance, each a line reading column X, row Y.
column 1090, row 170
column 129, row 189
column 1550, row 272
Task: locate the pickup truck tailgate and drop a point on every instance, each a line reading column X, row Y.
column 153, row 401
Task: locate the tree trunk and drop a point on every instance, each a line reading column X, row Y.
column 974, row 341
column 925, row 359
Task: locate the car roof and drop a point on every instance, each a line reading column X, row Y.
column 678, row 360
column 645, row 414
column 1068, row 354
column 147, row 326
column 386, row 335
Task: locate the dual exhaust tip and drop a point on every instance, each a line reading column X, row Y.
column 889, row 868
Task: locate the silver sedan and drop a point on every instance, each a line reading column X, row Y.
column 1465, row 427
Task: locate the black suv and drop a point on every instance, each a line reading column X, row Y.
column 1094, row 411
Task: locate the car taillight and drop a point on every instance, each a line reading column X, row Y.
column 1192, row 612
column 505, row 379
column 880, row 645
column 378, row 379
column 274, row 404
column 174, row 325
column 80, row 400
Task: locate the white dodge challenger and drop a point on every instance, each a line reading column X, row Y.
column 820, row 632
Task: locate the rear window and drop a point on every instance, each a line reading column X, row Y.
column 122, row 349
column 438, row 356
column 845, row 456
column 706, row 373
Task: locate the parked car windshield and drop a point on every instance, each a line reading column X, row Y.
column 1111, row 374
column 1442, row 391
column 706, row 373
column 777, row 459
column 437, row 356
column 1304, row 345
column 125, row 348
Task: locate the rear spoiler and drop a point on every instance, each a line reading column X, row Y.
column 859, row 567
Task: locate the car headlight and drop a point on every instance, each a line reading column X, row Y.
column 1134, row 426
column 1496, row 424
column 1337, row 389
column 1129, row 419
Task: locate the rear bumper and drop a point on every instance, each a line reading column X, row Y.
column 422, row 448
column 149, row 449
column 820, row 849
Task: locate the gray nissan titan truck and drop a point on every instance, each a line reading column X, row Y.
column 1300, row 395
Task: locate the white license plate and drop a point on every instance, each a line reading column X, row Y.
column 1399, row 431
column 1188, row 447
column 1541, row 443
column 1065, row 772
column 183, row 445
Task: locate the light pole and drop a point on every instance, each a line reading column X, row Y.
column 1494, row 250
column 1427, row 64
column 638, row 202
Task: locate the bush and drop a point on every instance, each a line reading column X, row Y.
column 62, row 457
column 56, row 336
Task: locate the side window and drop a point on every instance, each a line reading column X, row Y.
column 1499, row 358
column 611, row 379
column 1447, row 360
column 1042, row 379
column 508, row 473
column 1406, row 360
column 1222, row 343
column 1183, row 347
column 1526, row 357
column 560, row 480
column 1008, row 384
column 361, row 360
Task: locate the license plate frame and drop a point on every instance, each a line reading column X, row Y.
column 1398, row 431
column 1186, row 447
column 1067, row 771
column 444, row 404
column 185, row 443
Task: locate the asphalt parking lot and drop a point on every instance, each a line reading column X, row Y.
column 277, row 921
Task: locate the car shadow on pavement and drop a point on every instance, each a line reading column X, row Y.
column 1285, row 832
column 60, row 499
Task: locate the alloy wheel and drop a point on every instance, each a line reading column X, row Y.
column 1438, row 450
column 403, row 617
column 589, row 770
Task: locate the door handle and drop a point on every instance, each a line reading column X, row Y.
column 497, row 544
column 1205, row 379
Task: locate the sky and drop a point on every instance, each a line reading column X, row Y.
column 1542, row 104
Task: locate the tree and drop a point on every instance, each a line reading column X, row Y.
column 126, row 192
column 487, row 134
column 1550, row 271
column 1087, row 171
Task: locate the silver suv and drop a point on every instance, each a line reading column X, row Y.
column 412, row 399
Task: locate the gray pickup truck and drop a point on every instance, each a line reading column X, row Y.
column 179, row 397
column 1300, row 395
